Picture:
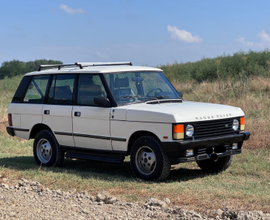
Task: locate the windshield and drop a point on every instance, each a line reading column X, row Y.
column 132, row 87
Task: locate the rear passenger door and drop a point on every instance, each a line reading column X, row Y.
column 91, row 123
column 57, row 112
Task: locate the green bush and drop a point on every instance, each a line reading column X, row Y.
column 236, row 66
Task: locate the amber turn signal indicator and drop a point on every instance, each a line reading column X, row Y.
column 242, row 123
column 178, row 131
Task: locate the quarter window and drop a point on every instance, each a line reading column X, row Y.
column 36, row 90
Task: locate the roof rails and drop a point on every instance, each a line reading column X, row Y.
column 59, row 66
column 107, row 64
column 82, row 64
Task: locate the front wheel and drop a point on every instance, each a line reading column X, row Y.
column 148, row 159
column 215, row 166
column 46, row 150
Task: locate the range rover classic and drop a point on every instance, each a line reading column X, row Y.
column 107, row 111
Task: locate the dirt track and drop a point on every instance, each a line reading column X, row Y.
column 30, row 200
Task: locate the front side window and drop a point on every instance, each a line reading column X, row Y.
column 132, row 87
column 89, row 87
column 36, row 90
column 61, row 91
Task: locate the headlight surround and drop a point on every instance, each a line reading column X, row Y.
column 235, row 124
column 189, row 130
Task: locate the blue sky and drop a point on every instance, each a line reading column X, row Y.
column 149, row 32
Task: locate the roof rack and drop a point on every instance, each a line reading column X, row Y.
column 83, row 64
column 113, row 64
column 58, row 66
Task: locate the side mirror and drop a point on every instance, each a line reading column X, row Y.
column 180, row 94
column 102, row 101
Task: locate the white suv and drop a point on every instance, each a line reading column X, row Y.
column 106, row 111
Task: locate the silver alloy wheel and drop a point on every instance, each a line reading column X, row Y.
column 145, row 160
column 44, row 150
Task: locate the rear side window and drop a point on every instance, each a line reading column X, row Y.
column 36, row 90
column 19, row 94
column 61, row 90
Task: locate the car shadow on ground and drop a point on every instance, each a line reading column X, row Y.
column 94, row 169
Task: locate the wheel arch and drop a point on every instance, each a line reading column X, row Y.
column 37, row 128
column 137, row 135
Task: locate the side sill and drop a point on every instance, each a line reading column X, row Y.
column 89, row 151
column 96, row 155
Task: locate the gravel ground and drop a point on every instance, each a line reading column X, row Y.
column 30, row 200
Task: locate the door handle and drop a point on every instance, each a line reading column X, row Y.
column 77, row 114
column 46, row 112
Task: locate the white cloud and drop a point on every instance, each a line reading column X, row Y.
column 264, row 36
column 242, row 40
column 71, row 10
column 102, row 55
column 183, row 35
column 264, row 40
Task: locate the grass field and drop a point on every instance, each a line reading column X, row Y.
column 245, row 185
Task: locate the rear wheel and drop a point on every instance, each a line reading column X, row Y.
column 215, row 166
column 46, row 149
column 148, row 159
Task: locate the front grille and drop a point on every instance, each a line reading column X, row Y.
column 214, row 128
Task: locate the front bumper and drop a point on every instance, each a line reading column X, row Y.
column 176, row 150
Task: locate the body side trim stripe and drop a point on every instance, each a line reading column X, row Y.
column 91, row 136
column 63, row 133
column 152, row 122
column 118, row 139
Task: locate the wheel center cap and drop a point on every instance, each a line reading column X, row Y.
column 145, row 160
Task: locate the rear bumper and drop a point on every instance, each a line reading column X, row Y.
column 10, row 131
column 176, row 150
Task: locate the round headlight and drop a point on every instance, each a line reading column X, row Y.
column 189, row 130
column 235, row 124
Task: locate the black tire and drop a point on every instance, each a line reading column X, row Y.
column 210, row 166
column 46, row 150
column 148, row 159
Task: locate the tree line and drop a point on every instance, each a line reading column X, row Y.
column 16, row 67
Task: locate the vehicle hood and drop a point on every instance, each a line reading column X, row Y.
column 180, row 112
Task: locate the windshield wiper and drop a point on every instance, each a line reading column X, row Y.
column 130, row 96
column 162, row 96
column 159, row 97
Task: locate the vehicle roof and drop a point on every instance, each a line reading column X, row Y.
column 97, row 67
